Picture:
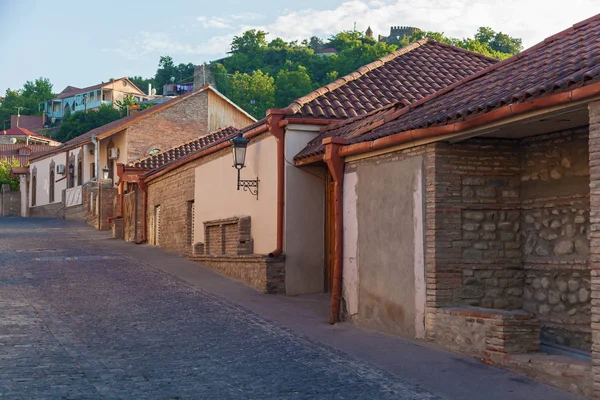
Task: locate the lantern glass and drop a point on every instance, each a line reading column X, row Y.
column 240, row 143
column 105, row 172
column 239, row 157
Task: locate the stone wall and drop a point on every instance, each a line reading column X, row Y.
column 98, row 207
column 10, row 202
column 260, row 272
column 478, row 221
column 484, row 332
column 555, row 229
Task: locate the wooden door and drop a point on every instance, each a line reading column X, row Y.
column 329, row 232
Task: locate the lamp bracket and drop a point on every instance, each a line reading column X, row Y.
column 248, row 185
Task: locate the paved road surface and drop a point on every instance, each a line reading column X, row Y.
column 81, row 317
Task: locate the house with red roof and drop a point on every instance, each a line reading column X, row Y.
column 263, row 223
column 90, row 98
column 18, row 135
column 76, row 166
column 469, row 216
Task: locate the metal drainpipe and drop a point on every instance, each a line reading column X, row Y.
column 335, row 163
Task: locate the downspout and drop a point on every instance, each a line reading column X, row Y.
column 274, row 118
column 335, row 163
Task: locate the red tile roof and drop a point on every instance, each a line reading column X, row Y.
column 562, row 62
column 406, row 75
column 18, row 131
column 122, row 123
column 11, row 151
column 185, row 149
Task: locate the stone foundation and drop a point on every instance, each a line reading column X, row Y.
column 571, row 374
column 260, row 272
column 483, row 332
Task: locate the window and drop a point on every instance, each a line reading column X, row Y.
column 51, row 184
column 33, row 186
column 79, row 173
column 71, row 178
column 93, row 170
column 24, row 151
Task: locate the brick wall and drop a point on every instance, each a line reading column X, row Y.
column 95, row 203
column 484, row 332
column 182, row 122
column 477, row 209
column 173, row 192
column 260, row 272
column 231, row 236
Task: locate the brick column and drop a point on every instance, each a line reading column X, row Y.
column 594, row 147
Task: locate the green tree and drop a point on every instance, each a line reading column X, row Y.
column 81, row 122
column 123, row 105
column 290, row 84
column 28, row 98
column 6, row 166
column 142, row 83
column 166, row 73
column 254, row 92
column 250, row 41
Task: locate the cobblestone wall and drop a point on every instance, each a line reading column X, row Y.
column 555, row 229
column 480, row 199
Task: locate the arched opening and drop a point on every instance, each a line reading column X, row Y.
column 52, row 186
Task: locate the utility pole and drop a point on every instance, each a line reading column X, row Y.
column 19, row 114
column 85, row 99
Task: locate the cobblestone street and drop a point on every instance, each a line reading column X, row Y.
column 81, row 320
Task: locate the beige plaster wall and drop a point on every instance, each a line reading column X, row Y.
column 391, row 271
column 304, row 233
column 217, row 197
column 120, row 142
column 43, row 179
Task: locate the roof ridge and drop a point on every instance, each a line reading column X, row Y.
column 298, row 103
column 139, row 160
column 496, row 66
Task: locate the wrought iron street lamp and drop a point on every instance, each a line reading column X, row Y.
column 105, row 172
column 240, row 145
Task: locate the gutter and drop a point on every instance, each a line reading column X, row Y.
column 511, row 110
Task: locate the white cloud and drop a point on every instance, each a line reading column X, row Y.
column 214, row 22
column 531, row 20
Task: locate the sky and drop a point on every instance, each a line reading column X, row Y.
column 82, row 43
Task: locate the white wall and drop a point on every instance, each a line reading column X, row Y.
column 350, row 279
column 217, row 197
column 43, row 179
column 304, row 232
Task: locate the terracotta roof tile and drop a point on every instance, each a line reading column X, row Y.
column 183, row 150
column 561, row 62
column 407, row 75
column 18, row 131
column 11, row 151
